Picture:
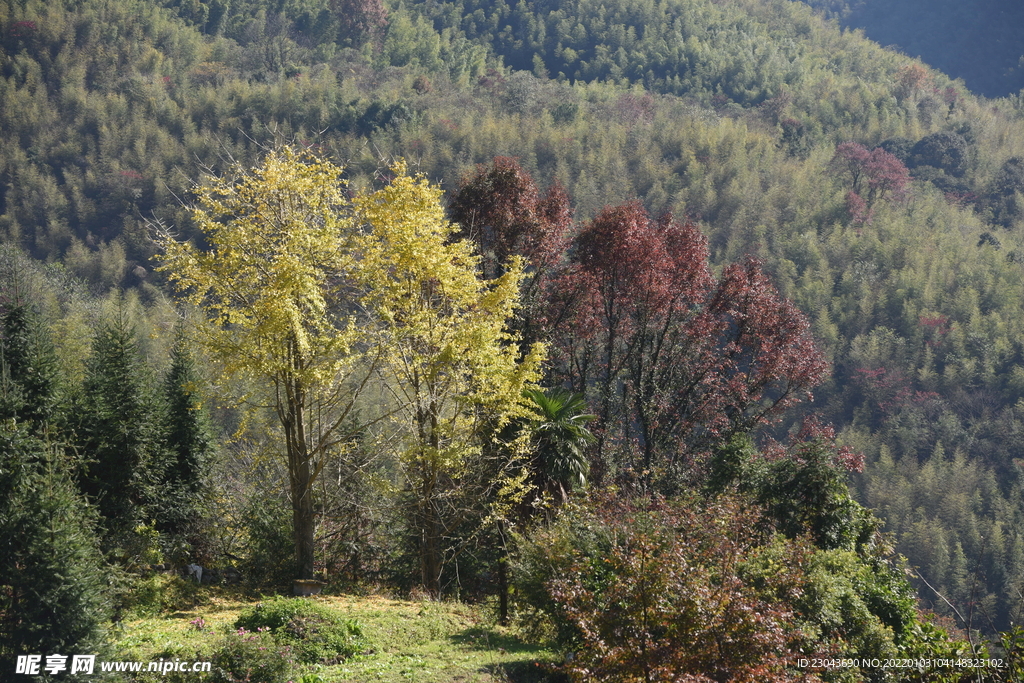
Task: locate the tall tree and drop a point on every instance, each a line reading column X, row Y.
column 189, row 441
column 886, row 175
column 29, row 361
column 120, row 428
column 51, row 580
column 273, row 287
column 501, row 210
column 51, row 585
column 452, row 366
column 359, row 21
column 673, row 361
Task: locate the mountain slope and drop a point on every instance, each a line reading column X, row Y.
column 978, row 41
column 731, row 112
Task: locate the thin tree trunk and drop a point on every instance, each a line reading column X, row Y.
column 303, row 520
column 428, row 518
column 300, row 474
column 502, row 578
column 430, row 535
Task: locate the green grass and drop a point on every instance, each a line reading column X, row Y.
column 426, row 641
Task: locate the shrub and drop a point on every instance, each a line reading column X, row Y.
column 546, row 553
column 706, row 589
column 251, row 658
column 656, row 591
column 316, row 633
column 270, row 556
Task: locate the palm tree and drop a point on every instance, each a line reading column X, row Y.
column 560, row 438
column 559, row 435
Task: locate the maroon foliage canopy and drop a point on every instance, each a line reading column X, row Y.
column 672, row 360
column 502, row 211
column 500, row 208
column 885, row 174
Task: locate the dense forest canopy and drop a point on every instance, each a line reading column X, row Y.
column 869, row 196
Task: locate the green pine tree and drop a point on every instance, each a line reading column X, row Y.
column 52, row 598
column 120, row 430
column 28, row 368
column 191, row 446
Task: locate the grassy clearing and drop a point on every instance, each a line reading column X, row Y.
column 426, row 641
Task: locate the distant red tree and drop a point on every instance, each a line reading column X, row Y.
column 632, row 109
column 885, row 174
column 21, row 29
column 857, row 209
column 850, row 159
column 359, row 20
column 950, row 96
column 910, row 79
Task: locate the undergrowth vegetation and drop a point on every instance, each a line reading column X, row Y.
column 383, row 640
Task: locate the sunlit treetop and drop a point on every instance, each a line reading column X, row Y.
column 281, row 239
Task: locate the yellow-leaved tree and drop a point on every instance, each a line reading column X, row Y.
column 282, row 250
column 313, row 299
column 454, row 371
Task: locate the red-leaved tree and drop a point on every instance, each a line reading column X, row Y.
column 619, row 307
column 359, row 21
column 501, row 209
column 886, row 176
column 671, row 360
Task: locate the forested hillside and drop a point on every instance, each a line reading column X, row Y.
column 880, row 197
column 977, row 41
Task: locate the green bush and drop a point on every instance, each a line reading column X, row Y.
column 650, row 589
column 547, row 553
column 316, row 633
column 252, row 658
column 270, row 550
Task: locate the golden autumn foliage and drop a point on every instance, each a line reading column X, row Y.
column 281, row 238
column 315, row 297
column 452, row 366
column 281, row 242
column 444, row 327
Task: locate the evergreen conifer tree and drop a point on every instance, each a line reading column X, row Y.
column 29, row 361
column 51, row 581
column 120, row 431
column 190, row 448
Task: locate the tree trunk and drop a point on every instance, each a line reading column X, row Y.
column 300, row 475
column 303, row 521
column 428, row 518
column 502, row 578
column 430, row 538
